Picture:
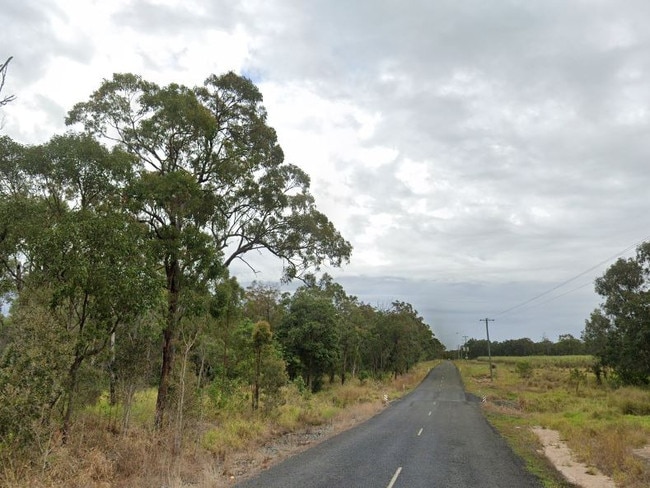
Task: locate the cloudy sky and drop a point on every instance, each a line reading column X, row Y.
column 485, row 159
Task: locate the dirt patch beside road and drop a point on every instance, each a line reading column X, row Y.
column 562, row 458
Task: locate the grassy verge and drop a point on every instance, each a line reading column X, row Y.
column 102, row 452
column 602, row 424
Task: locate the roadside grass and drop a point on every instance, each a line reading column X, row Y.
column 602, row 424
column 578, row 361
column 104, row 452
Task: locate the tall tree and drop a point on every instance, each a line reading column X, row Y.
column 85, row 260
column 618, row 333
column 264, row 302
column 309, row 336
column 212, row 184
column 261, row 338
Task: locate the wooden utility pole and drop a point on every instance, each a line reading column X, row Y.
column 487, row 331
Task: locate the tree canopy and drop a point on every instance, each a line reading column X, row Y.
column 618, row 331
column 210, row 182
column 115, row 245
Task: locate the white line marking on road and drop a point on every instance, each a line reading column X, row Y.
column 394, row 478
column 420, row 432
column 429, row 413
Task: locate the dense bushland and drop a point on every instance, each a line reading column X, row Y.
column 115, row 246
column 566, row 345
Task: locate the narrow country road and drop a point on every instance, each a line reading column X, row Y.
column 433, row 437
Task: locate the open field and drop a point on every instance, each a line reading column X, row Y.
column 541, row 361
column 216, row 445
column 606, row 426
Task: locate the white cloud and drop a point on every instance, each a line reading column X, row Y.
column 493, row 143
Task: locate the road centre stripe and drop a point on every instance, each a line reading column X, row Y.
column 394, row 478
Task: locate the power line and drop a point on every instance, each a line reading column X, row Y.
column 605, row 261
column 588, row 283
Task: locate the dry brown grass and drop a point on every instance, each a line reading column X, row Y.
column 229, row 445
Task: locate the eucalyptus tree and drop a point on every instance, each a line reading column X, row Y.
column 212, row 184
column 15, row 201
column 618, row 332
column 264, row 302
column 309, row 336
column 92, row 265
column 85, row 261
column 399, row 338
column 261, row 338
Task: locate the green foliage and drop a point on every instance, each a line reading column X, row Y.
column 33, row 372
column 208, row 159
column 269, row 369
column 107, row 253
column 300, row 385
column 264, row 302
column 63, row 257
column 308, row 333
column 524, row 369
column 577, row 377
column 618, row 333
column 567, row 345
column 602, row 424
column 211, row 184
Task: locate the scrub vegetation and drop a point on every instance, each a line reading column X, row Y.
column 606, row 424
column 129, row 356
column 222, row 441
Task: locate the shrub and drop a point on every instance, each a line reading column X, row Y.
column 632, row 401
column 576, row 377
column 524, row 369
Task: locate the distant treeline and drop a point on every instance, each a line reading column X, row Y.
column 566, row 345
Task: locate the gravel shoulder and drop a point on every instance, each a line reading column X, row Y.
column 244, row 465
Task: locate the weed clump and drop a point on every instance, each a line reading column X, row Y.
column 524, row 369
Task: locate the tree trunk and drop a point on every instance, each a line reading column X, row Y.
column 178, row 437
column 344, row 363
column 113, row 374
column 258, row 367
column 69, row 398
column 169, row 338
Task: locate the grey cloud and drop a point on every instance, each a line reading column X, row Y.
column 531, row 118
column 30, row 20
column 152, row 18
column 454, row 309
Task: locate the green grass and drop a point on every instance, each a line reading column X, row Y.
column 581, row 361
column 217, row 427
column 601, row 423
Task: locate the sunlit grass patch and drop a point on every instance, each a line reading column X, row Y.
column 138, row 413
column 234, row 434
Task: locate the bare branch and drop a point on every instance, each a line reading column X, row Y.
column 3, row 74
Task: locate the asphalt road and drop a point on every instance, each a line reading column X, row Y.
column 433, row 437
